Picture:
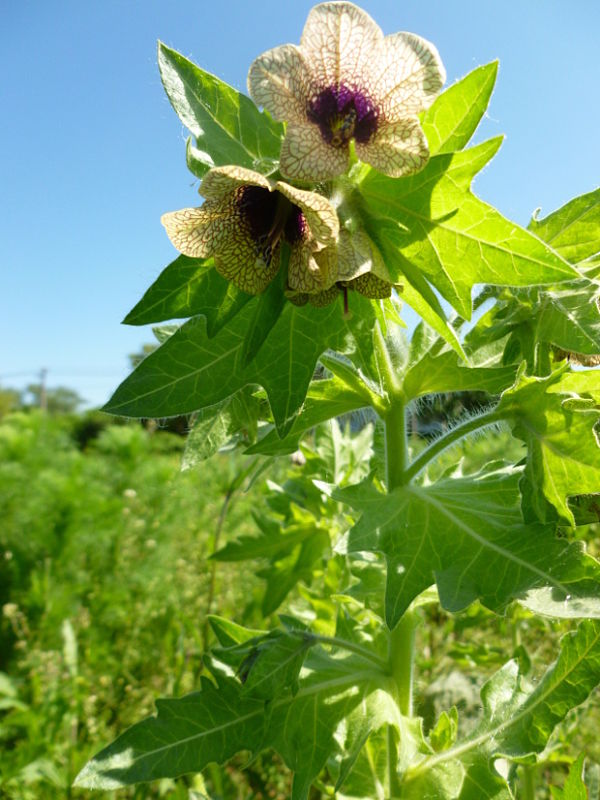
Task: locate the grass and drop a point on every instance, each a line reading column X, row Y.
column 104, row 581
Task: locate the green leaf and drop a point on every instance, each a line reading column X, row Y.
column 266, row 313
column 274, row 663
column 528, row 718
column 186, row 735
column 229, row 633
column 517, row 722
column 563, row 457
column 450, row 236
column 283, row 575
column 228, row 127
column 416, row 291
column 431, row 371
column 216, row 425
column 189, row 286
column 467, row 535
column 574, row 229
column 325, row 399
column 570, row 319
column 444, row 734
column 273, row 542
column 190, row 371
column 453, row 118
column 303, row 732
column 364, row 769
column 220, row 720
column 574, row 787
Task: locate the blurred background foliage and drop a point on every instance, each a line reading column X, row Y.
column 105, row 583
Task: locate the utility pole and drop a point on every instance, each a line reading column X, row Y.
column 43, row 395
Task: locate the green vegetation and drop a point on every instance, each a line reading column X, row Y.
column 105, row 583
column 103, row 586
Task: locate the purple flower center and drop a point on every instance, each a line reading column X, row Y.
column 270, row 217
column 342, row 114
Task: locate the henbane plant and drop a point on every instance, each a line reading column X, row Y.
column 349, row 191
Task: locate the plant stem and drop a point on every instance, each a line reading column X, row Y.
column 527, row 775
column 401, row 661
column 396, row 446
column 401, row 650
column 454, row 435
column 213, row 567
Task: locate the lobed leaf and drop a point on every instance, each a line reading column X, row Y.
column 228, row 127
column 574, row 229
column 558, row 428
column 185, row 288
column 213, row 724
column 452, row 237
column 190, row 371
column 468, row 536
column 454, row 116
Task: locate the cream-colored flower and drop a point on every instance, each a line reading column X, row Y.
column 243, row 222
column 347, row 81
column 354, row 264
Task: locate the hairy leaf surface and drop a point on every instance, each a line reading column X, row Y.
column 454, row 116
column 559, row 430
column 191, row 371
column 451, row 236
column 574, row 229
column 468, row 536
column 185, row 288
column 228, row 127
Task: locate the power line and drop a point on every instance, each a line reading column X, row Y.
column 69, row 372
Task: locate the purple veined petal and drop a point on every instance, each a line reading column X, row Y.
column 306, row 156
column 338, row 42
column 398, row 149
column 408, row 74
column 200, row 232
column 304, row 274
column 220, row 181
column 240, row 264
column 318, row 213
column 280, row 81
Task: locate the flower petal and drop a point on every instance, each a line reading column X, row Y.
column 304, row 274
column 409, row 74
column 369, row 285
column 279, row 80
column 306, row 156
column 325, row 298
column 198, row 232
column 320, row 215
column 338, row 42
column 221, row 181
column 399, row 148
column 358, row 255
column 239, row 264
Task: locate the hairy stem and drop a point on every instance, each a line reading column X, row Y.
column 401, row 661
column 401, row 651
column 396, row 445
column 527, row 782
column 448, row 439
column 213, row 567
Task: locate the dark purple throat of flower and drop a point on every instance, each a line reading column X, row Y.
column 270, row 217
column 343, row 114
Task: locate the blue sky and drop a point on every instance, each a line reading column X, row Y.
column 92, row 153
